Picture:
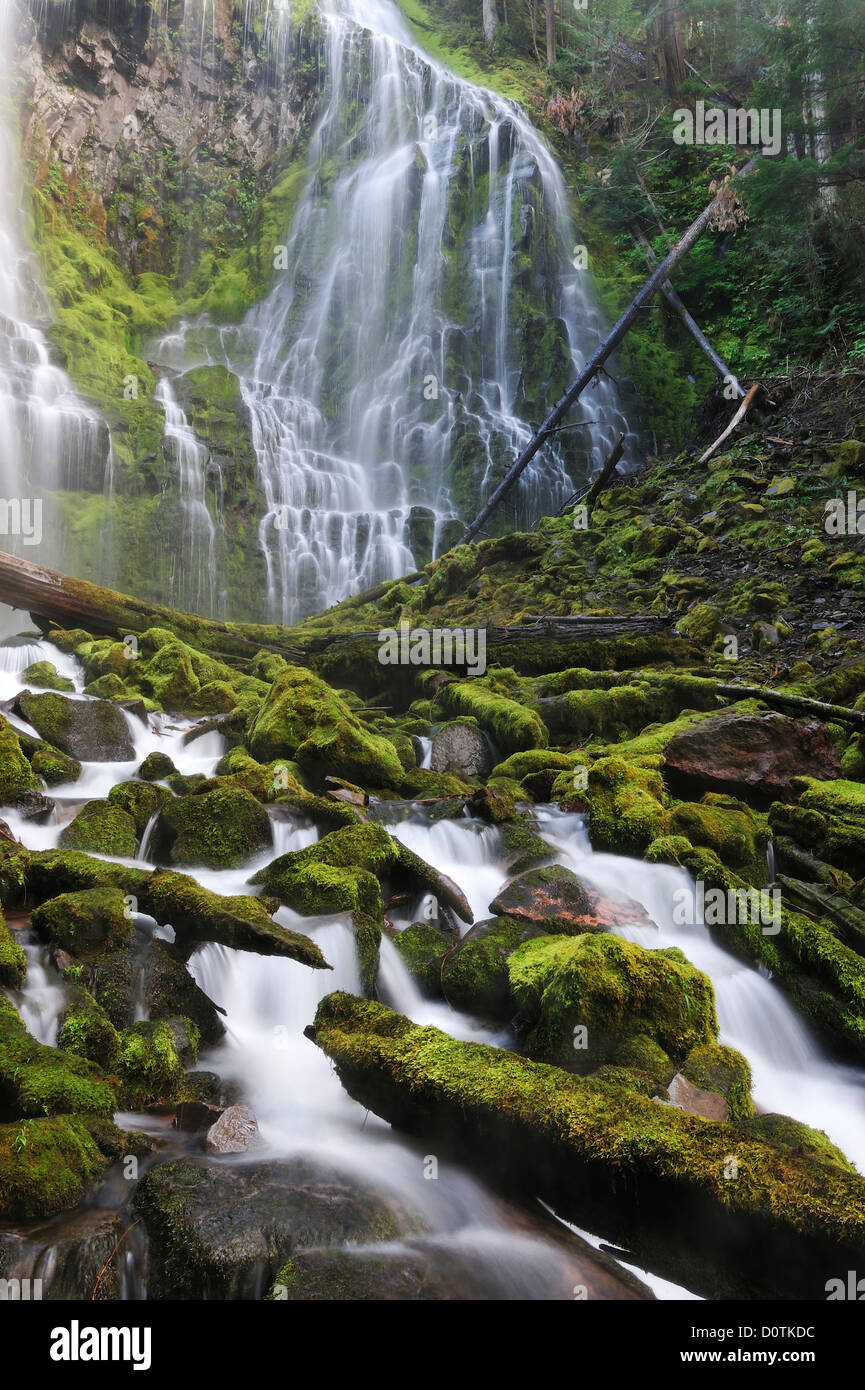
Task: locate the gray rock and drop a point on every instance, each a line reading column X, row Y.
column 89, row 730
column 235, row 1132
column 461, row 750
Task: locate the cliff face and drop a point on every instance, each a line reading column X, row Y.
column 163, row 149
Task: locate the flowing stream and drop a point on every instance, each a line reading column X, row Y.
column 290, row 1084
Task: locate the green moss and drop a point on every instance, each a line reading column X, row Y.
column 715, row 1068
column 45, row 675
column 16, row 774
column 92, row 919
column 626, row 806
column 303, row 719
column 36, row 1080
column 140, row 800
column 87, row 1031
column 13, row 962
column 149, row 1064
column 608, row 987
column 805, row 1142
column 156, row 767
column 728, row 827
column 219, row 829
column 46, row 1164
column 102, row 827
column 423, row 948
column 511, row 725
column 53, row 766
column 668, row 849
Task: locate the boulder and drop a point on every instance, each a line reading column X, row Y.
column 461, row 749
column 555, row 900
column 234, row 1132
column 756, row 754
column 217, row 829
column 89, row 730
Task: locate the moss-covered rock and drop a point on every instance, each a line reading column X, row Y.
column 13, row 962
column 510, row 724
column 728, row 827
column 16, row 774
column 626, row 806
column 87, row 1031
column 602, row 1154
column 474, row 977
column 715, row 1068
column 303, row 719
column 801, row 1139
column 156, row 767
column 45, row 675
column 53, row 766
column 423, row 949
column 578, row 996
column 46, row 1164
column 150, row 1061
column 36, row 1080
column 140, row 800
column 88, row 730
column 84, row 922
column 103, row 827
column 218, row 829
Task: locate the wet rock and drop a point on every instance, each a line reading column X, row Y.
column 462, row 750
column 155, row 767
column 751, row 753
column 234, row 1132
column 34, row 805
column 89, row 730
column 193, row 1116
column 555, row 900
column 685, row 1096
column 224, row 1231
column 218, row 829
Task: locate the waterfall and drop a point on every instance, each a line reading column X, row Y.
column 50, row 442
column 423, row 300
column 194, row 575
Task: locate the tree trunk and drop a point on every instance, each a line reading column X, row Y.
column 674, row 58
column 598, row 358
column 490, row 20
column 551, row 32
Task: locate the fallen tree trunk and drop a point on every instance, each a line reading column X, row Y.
column 571, row 1142
column 752, row 395
column 599, row 357
column 687, row 318
column 833, row 714
column 63, row 602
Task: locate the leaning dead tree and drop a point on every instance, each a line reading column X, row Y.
column 658, row 277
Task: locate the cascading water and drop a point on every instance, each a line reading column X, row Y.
column 194, row 580
column 390, row 373
column 50, row 441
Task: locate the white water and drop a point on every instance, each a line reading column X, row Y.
column 384, row 347
column 48, row 438
column 290, row 1084
column 194, row 579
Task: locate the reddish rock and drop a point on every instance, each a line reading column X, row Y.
column 684, row 1095
column 750, row 753
column 557, row 901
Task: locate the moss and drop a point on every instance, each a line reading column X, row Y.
column 13, row 962
column 640, row 1160
column 140, row 800
column 474, row 977
column 16, row 774
column 36, row 1080
column 46, row 1164
column 805, row 1142
column 525, row 849
column 96, row 730
column 156, row 767
column 149, row 1064
column 715, row 1068
column 728, row 827
column 218, row 829
column 668, row 849
column 93, row 919
column 45, row 675
column 607, row 986
column 423, row 948
column 303, row 719
column 641, row 1055
column 102, row 827
column 626, row 806
column 87, row 1031
column 53, row 766
column 511, row 725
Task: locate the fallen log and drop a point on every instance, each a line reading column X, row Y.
column 599, row 357
column 832, row 714
column 58, row 600
column 545, row 1133
column 745, row 406
column 678, row 308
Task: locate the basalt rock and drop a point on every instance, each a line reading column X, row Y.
column 750, row 754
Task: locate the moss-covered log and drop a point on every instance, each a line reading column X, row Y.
column 760, row 1222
